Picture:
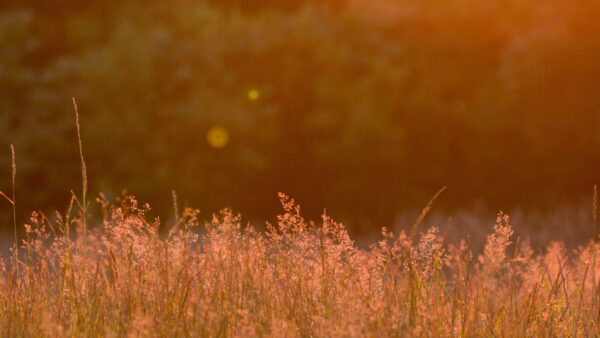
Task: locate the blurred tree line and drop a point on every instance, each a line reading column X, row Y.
column 363, row 107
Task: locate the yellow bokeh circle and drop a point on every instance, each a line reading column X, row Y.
column 217, row 137
column 253, row 94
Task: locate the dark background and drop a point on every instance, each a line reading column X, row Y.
column 365, row 108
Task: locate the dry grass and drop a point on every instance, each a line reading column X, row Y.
column 297, row 279
column 223, row 278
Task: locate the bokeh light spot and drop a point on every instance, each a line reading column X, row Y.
column 253, row 94
column 217, row 137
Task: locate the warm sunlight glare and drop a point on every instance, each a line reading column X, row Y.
column 217, row 137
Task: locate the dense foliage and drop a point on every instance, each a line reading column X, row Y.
column 359, row 102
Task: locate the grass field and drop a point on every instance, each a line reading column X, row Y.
column 299, row 278
column 224, row 278
column 358, row 111
column 126, row 277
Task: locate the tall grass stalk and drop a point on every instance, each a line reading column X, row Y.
column 424, row 212
column 84, row 182
column 595, row 211
column 12, row 200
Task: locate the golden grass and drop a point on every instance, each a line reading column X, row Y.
column 297, row 279
column 224, row 278
column 12, row 200
column 84, row 183
column 595, row 210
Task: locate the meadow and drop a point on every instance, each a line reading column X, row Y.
column 299, row 278
column 359, row 110
column 223, row 278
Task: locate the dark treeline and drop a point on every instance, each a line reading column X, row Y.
column 364, row 107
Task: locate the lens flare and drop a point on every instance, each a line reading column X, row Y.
column 253, row 94
column 217, row 137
